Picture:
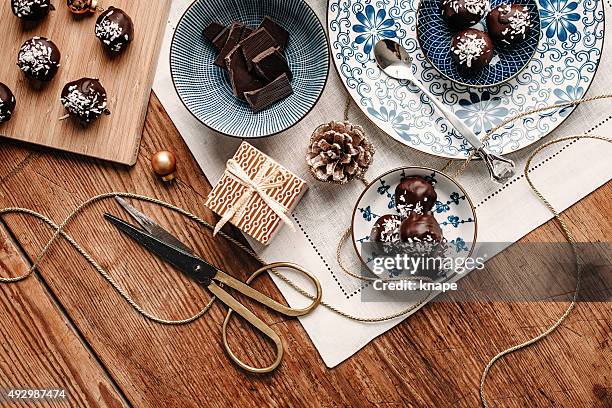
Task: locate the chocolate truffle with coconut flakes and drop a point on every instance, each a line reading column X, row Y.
column 7, row 103
column 39, row 59
column 115, row 29
column 386, row 229
column 414, row 194
column 509, row 23
column 461, row 14
column 31, row 10
column 85, row 99
column 421, row 228
column 472, row 50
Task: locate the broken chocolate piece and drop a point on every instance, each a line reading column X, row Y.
column 241, row 78
column 233, row 38
column 213, row 30
column 276, row 90
column 221, row 38
column 257, row 43
column 271, row 64
column 276, row 31
column 246, row 31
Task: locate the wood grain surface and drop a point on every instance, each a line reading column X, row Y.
column 433, row 359
column 127, row 78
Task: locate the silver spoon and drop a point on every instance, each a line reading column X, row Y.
column 394, row 60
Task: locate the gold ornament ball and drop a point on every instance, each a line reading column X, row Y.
column 82, row 6
column 164, row 165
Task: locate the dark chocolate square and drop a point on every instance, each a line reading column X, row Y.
column 213, row 30
column 271, row 64
column 233, row 38
column 276, row 31
column 221, row 38
column 246, row 31
column 241, row 78
column 276, row 90
column 256, row 43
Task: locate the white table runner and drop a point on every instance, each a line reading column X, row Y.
column 565, row 174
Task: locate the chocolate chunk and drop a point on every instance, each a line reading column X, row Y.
column 271, row 64
column 233, row 38
column 246, row 31
column 276, row 90
column 257, row 43
column 276, row 31
column 241, row 78
column 221, row 38
column 213, row 30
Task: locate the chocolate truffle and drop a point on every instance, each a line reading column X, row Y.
column 461, row 14
column 414, row 194
column 386, row 229
column 31, row 10
column 421, row 228
column 115, row 29
column 39, row 59
column 85, row 99
column 472, row 50
column 509, row 23
column 7, row 103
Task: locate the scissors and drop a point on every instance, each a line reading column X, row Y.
column 170, row 249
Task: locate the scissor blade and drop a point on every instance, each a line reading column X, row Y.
column 186, row 263
column 152, row 227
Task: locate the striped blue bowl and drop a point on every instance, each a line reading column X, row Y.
column 205, row 88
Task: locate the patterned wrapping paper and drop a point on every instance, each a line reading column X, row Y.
column 256, row 218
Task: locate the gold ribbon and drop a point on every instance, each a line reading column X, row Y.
column 259, row 185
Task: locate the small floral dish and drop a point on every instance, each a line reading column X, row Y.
column 435, row 36
column 453, row 210
column 205, row 88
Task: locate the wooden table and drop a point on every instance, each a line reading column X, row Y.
column 67, row 328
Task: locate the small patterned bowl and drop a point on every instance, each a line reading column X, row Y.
column 435, row 38
column 453, row 210
column 205, row 88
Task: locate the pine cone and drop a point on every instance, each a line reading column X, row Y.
column 339, row 152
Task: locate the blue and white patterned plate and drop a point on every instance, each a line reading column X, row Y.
column 562, row 69
column 435, row 37
column 205, row 89
column 453, row 210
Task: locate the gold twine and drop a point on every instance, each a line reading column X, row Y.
column 60, row 231
column 556, row 214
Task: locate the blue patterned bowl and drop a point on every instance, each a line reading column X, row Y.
column 508, row 61
column 453, row 210
column 205, row 89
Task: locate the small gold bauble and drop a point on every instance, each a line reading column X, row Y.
column 164, row 165
column 82, row 6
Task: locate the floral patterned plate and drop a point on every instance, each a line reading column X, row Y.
column 562, row 69
column 453, row 210
column 434, row 37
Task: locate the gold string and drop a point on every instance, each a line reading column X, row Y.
column 59, row 231
column 556, row 214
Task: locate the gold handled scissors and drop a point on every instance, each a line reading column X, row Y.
column 167, row 247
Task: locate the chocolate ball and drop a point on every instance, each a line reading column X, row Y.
column 31, row 10
column 386, row 229
column 472, row 50
column 115, row 29
column 421, row 228
column 461, row 14
column 85, row 99
column 39, row 59
column 414, row 194
column 509, row 23
column 7, row 103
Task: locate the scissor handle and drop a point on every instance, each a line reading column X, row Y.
column 247, row 290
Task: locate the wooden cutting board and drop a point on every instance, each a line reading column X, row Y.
column 127, row 78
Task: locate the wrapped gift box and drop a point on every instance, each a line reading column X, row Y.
column 237, row 195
